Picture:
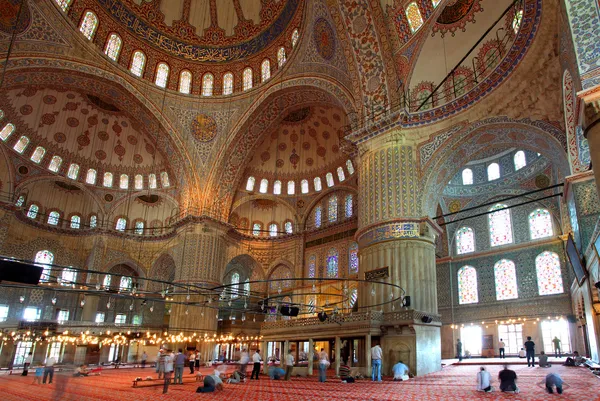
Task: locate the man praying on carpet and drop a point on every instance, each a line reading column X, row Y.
column 484, row 380
column 211, row 383
column 508, row 380
column 400, row 371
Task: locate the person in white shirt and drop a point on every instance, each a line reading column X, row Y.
column 192, row 361
column 376, row 354
column 168, row 362
column 244, row 359
column 400, row 371
column 323, row 364
column 484, row 380
column 289, row 365
column 256, row 367
column 501, row 346
column 27, row 363
column 49, row 369
column 144, row 359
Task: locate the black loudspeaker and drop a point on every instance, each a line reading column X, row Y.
column 597, row 285
column 322, row 316
column 19, row 272
column 289, row 311
column 571, row 318
column 427, row 319
column 406, row 301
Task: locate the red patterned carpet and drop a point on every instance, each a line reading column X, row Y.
column 452, row 383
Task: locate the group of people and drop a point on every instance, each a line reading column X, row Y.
column 527, row 351
column 47, row 371
column 169, row 363
column 508, row 381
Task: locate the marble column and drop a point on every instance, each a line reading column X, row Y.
column 368, row 354
column 592, row 133
column 311, row 355
column 337, row 355
column 265, row 358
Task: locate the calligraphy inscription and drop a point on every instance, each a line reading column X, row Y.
column 377, row 274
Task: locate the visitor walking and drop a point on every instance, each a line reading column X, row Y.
column 459, row 350
column 256, row 364
column 376, row 354
column 49, row 369
column 530, row 351
column 244, row 359
column 168, row 369
column 508, row 380
column 557, row 350
column 289, row 365
column 484, row 380
column 179, row 366
column 501, row 346
column 27, row 364
column 144, row 359
column 323, row 364
column 192, row 361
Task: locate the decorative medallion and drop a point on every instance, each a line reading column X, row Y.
column 26, row 109
column 60, row 137
column 542, row 181
column 321, row 151
column 83, row 140
column 324, row 38
column 300, row 204
column 132, row 140
column 23, row 170
column 282, row 147
column 204, row 128
column 108, row 197
column 47, row 119
column 150, row 149
column 310, row 162
column 455, row 16
column 138, row 159
column 294, row 137
column 100, row 155
column 325, row 135
column 294, row 158
column 92, row 120
column 71, row 106
column 72, row 122
column 103, row 135
column 119, row 150
column 49, row 99
column 117, row 128
column 279, row 163
column 264, row 204
column 454, row 206
column 305, row 145
column 265, row 156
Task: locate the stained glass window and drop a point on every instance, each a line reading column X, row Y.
column 138, row 62
column 281, row 59
column 44, row 259
column 332, row 208
column 185, row 82
column 332, row 263
column 228, row 83
column 247, row 79
column 435, row 3
column 311, row 305
column 467, row 176
column 125, row 284
column 139, row 181
column 318, row 185
column 465, row 240
column 291, row 188
column 493, row 171
column 68, row 276
column 162, row 75
column 279, row 276
column 7, row 131
column 353, row 258
column 208, row 82
column 93, row 221
column 329, row 179
column 164, row 179
column 235, row 285
column 247, row 286
column 516, row 24
column 295, row 37
column 415, row 20
column 21, row 144
column 277, row 187
column 353, row 298
column 55, row 164
column 318, row 216
column 265, row 70
column 304, row 186
column 256, row 227
column 250, row 184
column 264, row 185
column 520, row 160
column 108, row 180
column 139, row 227
column 73, row 172
column 106, row 281
column 350, row 166
column 273, row 230
column 540, row 224
column 289, row 227
column 63, row 4
column 20, row 201
column 348, row 206
column 53, row 218
column 89, row 25
column 113, row 46
column 90, row 177
column 152, row 181
column 33, row 211
column 340, row 173
column 75, row 221
column 1, row 114
column 506, row 280
column 500, row 225
column 312, row 266
column 38, row 154
column 121, row 224
column 467, row 285
column 549, row 277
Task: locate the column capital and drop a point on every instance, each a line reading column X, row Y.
column 395, row 229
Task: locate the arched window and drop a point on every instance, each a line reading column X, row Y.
column 493, row 171
column 162, row 75
column 540, row 224
column 304, row 186
column 75, row 221
column 93, row 221
column 53, row 218
column 44, row 259
column 21, row 144
column 295, row 37
column 332, row 263
column 7, row 131
column 516, row 24
column 505, row 277
column 126, row 283
column 121, row 224
column 89, row 23
column 38, row 154
column 353, row 298
column 291, row 188
column 312, row 266
column 235, row 285
column 318, row 185
column 90, row 177
column 265, row 70
column 139, row 181
column 353, row 258
column 340, row 173
column 250, row 184
column 332, row 208
column 63, row 4
column 277, row 187
column 549, row 277
column 113, row 46
column 138, row 62
column 500, row 225
column 228, row 83
column 20, row 201
column 164, row 179
column 124, row 181
column 415, row 20
column 289, row 227
column 318, row 216
column 520, row 160
column 465, row 240
column 281, row 59
column 348, row 206
column 152, row 181
column 108, row 180
column 247, row 79
column 467, row 176
column 106, row 281
column 273, row 230
column 264, row 185
column 68, row 276
column 33, row 211
column 139, row 227
column 208, row 81
column 256, row 228
column 247, row 287
column 467, row 285
column 55, row 164
column 185, row 82
column 329, row 179
column 350, row 166
column 73, row 171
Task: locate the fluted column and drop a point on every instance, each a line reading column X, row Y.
column 592, row 133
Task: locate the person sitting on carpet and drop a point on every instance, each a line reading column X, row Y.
column 82, row 370
column 484, row 380
column 576, row 360
column 508, row 380
column 553, row 380
column 276, row 373
column 400, row 371
column 211, row 383
column 345, row 373
column 522, row 353
column 543, row 360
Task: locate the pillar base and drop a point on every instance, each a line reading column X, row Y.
column 417, row 346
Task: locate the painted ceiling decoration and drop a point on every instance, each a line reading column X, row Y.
column 10, row 11
column 456, row 15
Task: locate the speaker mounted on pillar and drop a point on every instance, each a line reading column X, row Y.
column 19, row 272
column 289, row 311
column 322, row 316
column 406, row 301
column 427, row 319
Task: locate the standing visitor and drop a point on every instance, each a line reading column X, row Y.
column 508, row 380
column 144, row 358
column 376, row 354
column 28, row 362
column 289, row 365
column 501, row 349
column 179, row 366
column 557, row 351
column 160, row 363
column 168, row 366
column 484, row 380
column 39, row 372
column 244, row 359
column 323, row 364
column 530, row 351
column 256, row 364
column 459, row 350
column 192, row 360
column 49, row 369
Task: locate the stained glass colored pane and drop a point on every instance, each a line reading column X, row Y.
column 90, row 177
column 185, row 82
column 277, row 187
column 20, row 201
column 113, row 46
column 208, row 82
column 329, row 179
column 295, row 37
column 465, row 240
column 520, row 160
column 63, row 4
column 89, row 24
column 126, row 283
column 93, row 221
column 44, row 259
column 162, row 74
column 55, row 164
column 256, row 229
column 353, row 258
column 265, row 70
column 121, row 224
column 540, row 224
column 348, row 206
column 353, row 297
column 264, row 185
column 139, row 227
column 228, row 83
column 340, row 173
column 467, row 285
column 68, row 276
column 164, row 179
column 435, row 3
column 7, row 131
column 289, row 228
column 318, row 185
column 304, row 186
column 33, row 211
column 516, row 24
column 332, row 263
column 332, row 208
column 318, row 216
column 273, row 230
column 235, row 285
column 139, row 181
column 247, row 79
column 75, row 221
column 53, row 218
column 291, row 188
column 279, row 276
column 152, row 181
column 467, row 176
column 350, row 166
column 21, row 144
column 312, row 266
column 549, row 277
column 37, row 155
column 138, row 62
column 500, row 226
column 108, row 180
column 73, row 171
column 415, row 20
column 247, row 286
column 281, row 59
column 250, row 184
column 493, row 171
column 505, row 276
